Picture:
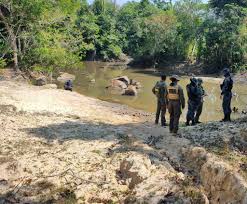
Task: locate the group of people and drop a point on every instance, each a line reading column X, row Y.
column 171, row 97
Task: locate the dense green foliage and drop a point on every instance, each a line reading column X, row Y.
column 50, row 34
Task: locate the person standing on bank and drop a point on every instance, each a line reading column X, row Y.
column 226, row 94
column 176, row 103
column 194, row 99
column 160, row 90
column 202, row 95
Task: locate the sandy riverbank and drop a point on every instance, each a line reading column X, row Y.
column 60, row 147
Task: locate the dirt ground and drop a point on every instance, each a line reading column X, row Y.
column 61, row 147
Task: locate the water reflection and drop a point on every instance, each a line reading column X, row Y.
column 102, row 73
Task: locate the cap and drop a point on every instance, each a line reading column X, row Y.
column 193, row 80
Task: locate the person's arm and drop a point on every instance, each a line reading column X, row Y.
column 166, row 95
column 224, row 86
column 153, row 89
column 188, row 91
column 181, row 97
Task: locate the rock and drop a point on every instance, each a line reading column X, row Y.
column 34, row 74
column 222, row 184
column 50, row 86
column 38, row 78
column 124, row 79
column 138, row 85
column 124, row 58
column 135, row 169
column 135, row 83
column 118, row 84
column 204, row 199
column 65, row 77
column 41, row 81
column 130, row 91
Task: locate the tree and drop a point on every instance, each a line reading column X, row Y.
column 97, row 25
column 159, row 35
column 130, row 21
column 223, row 40
column 190, row 14
column 17, row 17
column 220, row 4
column 40, row 33
column 89, row 30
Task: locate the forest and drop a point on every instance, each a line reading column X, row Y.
column 53, row 34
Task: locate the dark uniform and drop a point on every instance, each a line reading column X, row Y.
column 68, row 85
column 193, row 101
column 160, row 90
column 176, row 101
column 202, row 94
column 226, row 92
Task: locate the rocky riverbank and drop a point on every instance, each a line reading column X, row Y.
column 62, row 147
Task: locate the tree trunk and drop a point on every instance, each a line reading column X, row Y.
column 15, row 51
column 12, row 42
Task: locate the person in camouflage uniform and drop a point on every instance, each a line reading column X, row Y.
column 200, row 106
column 176, row 103
column 160, row 90
column 226, row 93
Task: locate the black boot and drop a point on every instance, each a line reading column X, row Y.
column 187, row 123
column 224, row 119
column 228, row 117
column 193, row 123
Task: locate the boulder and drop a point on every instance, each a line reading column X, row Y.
column 124, row 79
column 222, row 183
column 115, row 83
column 65, row 77
column 41, row 81
column 130, row 91
column 50, row 86
column 135, row 83
column 135, row 169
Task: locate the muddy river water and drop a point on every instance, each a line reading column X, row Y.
column 92, row 79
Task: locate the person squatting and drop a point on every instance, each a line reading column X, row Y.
column 171, row 97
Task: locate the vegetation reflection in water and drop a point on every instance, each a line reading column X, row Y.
column 145, row 100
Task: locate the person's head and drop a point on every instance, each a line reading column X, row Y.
column 163, row 77
column 193, row 80
column 199, row 81
column 174, row 78
column 226, row 72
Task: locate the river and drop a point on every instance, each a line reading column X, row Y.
column 102, row 73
